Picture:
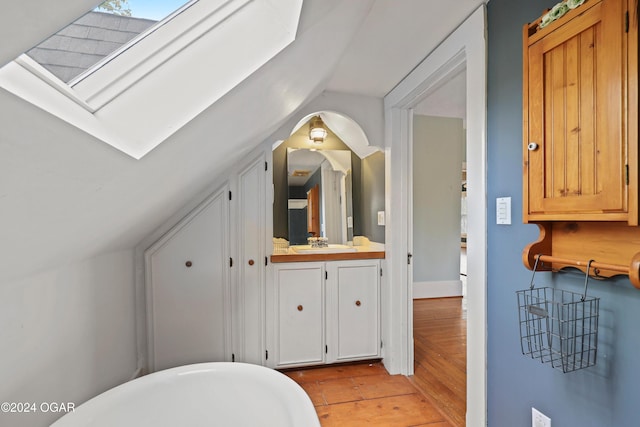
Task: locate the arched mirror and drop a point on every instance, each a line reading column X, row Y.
column 319, row 195
column 349, row 176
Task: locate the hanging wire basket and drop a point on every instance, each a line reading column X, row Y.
column 559, row 327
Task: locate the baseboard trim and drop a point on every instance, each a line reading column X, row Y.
column 439, row 289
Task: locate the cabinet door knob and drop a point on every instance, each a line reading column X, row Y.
column 251, row 262
column 188, row 263
column 358, row 303
column 532, row 146
column 300, row 308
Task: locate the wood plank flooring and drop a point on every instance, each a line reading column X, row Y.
column 365, row 394
column 440, row 348
column 359, row 395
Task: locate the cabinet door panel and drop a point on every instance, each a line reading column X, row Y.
column 189, row 304
column 300, row 311
column 357, row 311
column 251, row 271
column 575, row 108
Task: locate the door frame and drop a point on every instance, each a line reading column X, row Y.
column 465, row 47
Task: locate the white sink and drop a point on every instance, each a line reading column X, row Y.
column 332, row 249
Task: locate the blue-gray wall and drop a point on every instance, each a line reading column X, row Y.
column 372, row 200
column 603, row 396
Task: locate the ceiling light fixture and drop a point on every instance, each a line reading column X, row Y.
column 317, row 132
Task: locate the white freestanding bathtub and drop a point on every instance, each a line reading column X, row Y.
column 206, row 394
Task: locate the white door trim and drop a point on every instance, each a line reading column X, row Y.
column 465, row 47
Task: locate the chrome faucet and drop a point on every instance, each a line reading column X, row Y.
column 318, row 242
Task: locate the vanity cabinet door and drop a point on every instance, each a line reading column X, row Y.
column 354, row 312
column 188, row 300
column 299, row 314
column 575, row 147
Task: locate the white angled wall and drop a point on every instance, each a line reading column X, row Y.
column 67, row 334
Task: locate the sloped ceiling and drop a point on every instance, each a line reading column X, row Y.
column 66, row 196
column 141, row 96
column 393, row 40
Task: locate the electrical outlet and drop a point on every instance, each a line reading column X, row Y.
column 538, row 419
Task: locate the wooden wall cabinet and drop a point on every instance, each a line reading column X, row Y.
column 580, row 128
column 579, row 159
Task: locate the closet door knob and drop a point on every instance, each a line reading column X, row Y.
column 188, row 263
column 358, row 303
column 251, row 262
column 300, row 308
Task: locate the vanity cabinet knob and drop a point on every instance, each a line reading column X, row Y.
column 358, row 303
column 251, row 262
column 300, row 308
column 188, row 263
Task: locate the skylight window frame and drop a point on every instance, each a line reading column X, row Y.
column 31, row 65
column 128, row 68
column 169, row 77
column 67, row 88
column 146, row 33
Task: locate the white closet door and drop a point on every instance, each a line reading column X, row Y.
column 189, row 300
column 251, row 268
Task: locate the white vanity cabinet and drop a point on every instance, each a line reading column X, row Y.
column 299, row 312
column 325, row 312
column 353, row 321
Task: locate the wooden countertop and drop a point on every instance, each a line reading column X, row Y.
column 295, row 257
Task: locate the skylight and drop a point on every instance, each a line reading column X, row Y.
column 151, row 86
column 155, row 10
column 92, row 39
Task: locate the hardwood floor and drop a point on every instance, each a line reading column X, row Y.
column 440, row 348
column 365, row 394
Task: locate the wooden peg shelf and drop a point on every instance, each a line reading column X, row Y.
column 614, row 248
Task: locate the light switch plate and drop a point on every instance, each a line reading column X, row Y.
column 538, row 419
column 503, row 210
column 380, row 217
